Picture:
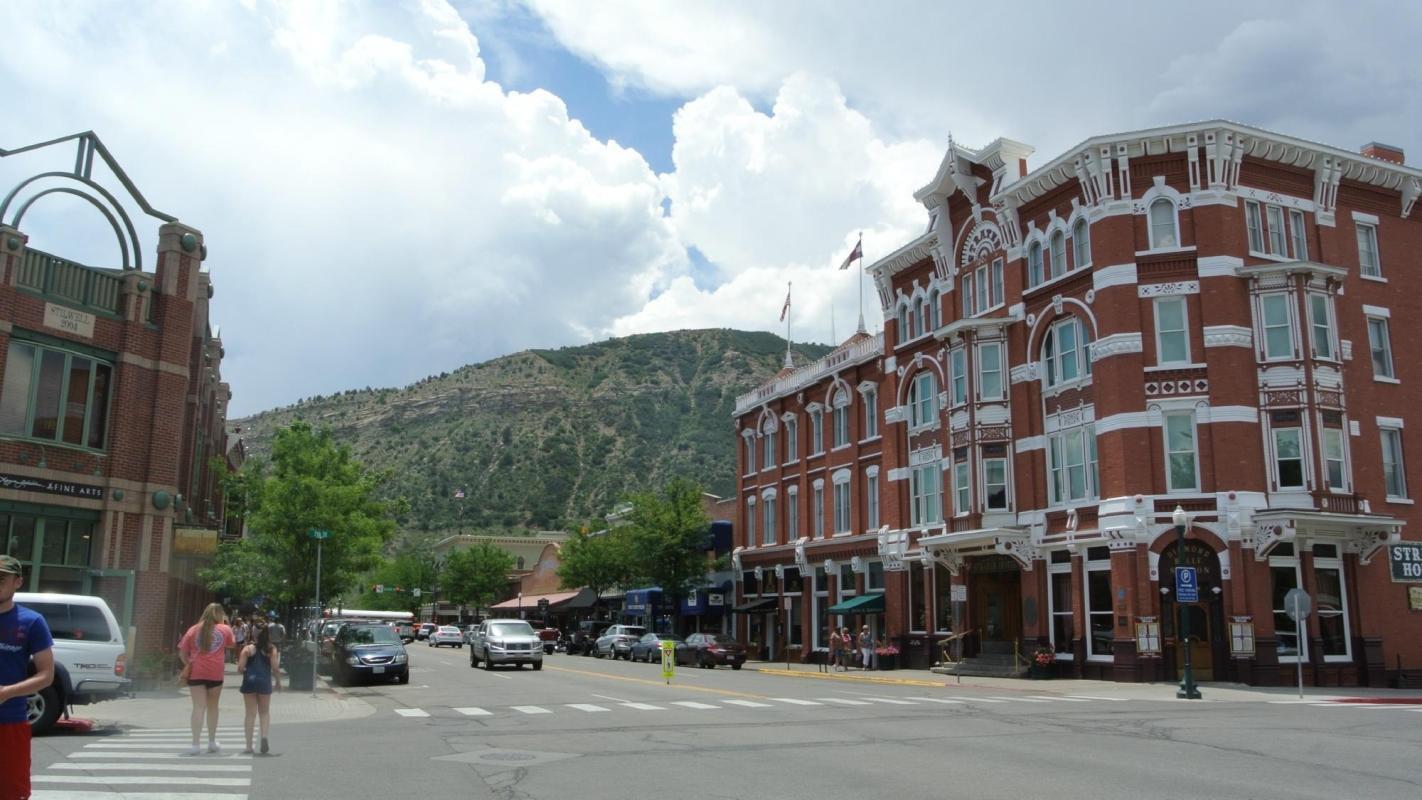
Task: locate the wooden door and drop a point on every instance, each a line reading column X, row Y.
column 1202, row 654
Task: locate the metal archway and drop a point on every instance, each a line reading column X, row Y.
column 125, row 245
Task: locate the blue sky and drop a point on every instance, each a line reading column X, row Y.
column 395, row 188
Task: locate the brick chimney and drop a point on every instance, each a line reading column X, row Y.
column 1383, row 152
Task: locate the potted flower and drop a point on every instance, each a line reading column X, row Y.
column 1042, row 659
column 887, row 656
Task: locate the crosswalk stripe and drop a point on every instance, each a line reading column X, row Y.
column 474, row 711
column 945, row 701
column 142, row 780
column 64, row 794
column 531, row 709
column 693, row 704
column 150, row 731
column 1018, row 699
column 983, row 700
column 588, row 707
column 746, row 703
column 642, row 706
column 135, row 746
column 792, row 701
column 892, row 701
column 183, row 755
column 412, row 712
column 1091, row 697
column 843, row 701
column 1061, row 698
column 132, row 767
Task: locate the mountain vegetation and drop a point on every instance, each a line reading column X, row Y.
column 546, row 439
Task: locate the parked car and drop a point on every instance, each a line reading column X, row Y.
column 584, row 635
column 649, row 647
column 505, row 641
column 551, row 638
column 617, row 641
column 89, row 661
column 446, row 635
column 369, row 650
column 425, row 629
column 405, row 630
column 710, row 650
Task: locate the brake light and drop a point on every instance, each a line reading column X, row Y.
column 119, row 664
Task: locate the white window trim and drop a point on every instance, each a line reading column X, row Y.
column 961, row 467
column 1001, row 383
column 1332, row 328
column 1262, row 333
column 957, row 357
column 1057, row 569
column 1323, row 454
column 1195, row 442
column 1300, row 627
column 792, row 513
column 1385, row 318
column 1304, row 466
column 1386, row 424
column 1185, row 330
column 1150, row 224
column 1298, row 234
column 1254, row 207
column 1085, row 225
column 792, row 439
column 1006, row 481
column 1371, row 226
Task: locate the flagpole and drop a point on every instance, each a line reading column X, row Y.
column 860, row 248
column 834, row 339
column 788, row 362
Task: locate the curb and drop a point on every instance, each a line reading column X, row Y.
column 821, row 676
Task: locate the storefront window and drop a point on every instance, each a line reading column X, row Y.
column 55, row 395
column 795, row 629
column 1063, row 629
column 875, row 579
column 1284, row 574
column 1098, row 603
column 942, row 599
column 918, row 599
column 1331, row 602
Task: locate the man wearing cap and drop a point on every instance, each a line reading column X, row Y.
column 23, row 635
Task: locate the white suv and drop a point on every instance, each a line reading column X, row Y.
column 89, row 654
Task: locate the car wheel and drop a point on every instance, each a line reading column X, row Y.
column 403, row 678
column 537, row 665
column 473, row 662
column 42, row 709
column 701, row 661
column 488, row 665
column 735, row 666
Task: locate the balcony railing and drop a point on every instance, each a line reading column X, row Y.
column 810, row 373
column 1339, row 503
column 69, row 282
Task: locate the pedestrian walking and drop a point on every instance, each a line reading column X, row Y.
column 203, row 652
column 847, row 652
column 260, row 665
column 866, row 646
column 23, row 635
column 239, row 635
column 277, row 632
column 836, row 644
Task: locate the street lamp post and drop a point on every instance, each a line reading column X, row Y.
column 319, row 536
column 1188, row 690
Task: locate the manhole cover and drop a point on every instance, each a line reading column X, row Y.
column 510, row 757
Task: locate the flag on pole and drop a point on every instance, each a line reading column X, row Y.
column 855, row 254
column 458, row 494
column 785, row 309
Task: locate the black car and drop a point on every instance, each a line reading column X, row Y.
column 649, row 647
column 369, row 650
column 710, row 650
column 585, row 635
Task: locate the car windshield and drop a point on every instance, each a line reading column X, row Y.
column 511, row 629
column 371, row 634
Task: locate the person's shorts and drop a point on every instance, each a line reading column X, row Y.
column 14, row 759
column 208, row 684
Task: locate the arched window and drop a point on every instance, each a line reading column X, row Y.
column 920, row 318
column 934, row 320
column 923, row 399
column 840, row 404
column 1163, row 228
column 903, row 323
column 1034, row 263
column 1081, row 243
column 1058, row 267
column 1066, row 352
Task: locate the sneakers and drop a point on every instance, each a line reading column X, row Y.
column 194, row 750
column 265, row 749
column 214, row 746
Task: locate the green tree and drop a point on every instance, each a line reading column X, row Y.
column 668, row 533
column 475, row 576
column 597, row 561
column 413, row 567
column 310, row 483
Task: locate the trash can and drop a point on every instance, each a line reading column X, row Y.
column 296, row 662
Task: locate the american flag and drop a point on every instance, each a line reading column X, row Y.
column 458, row 494
column 785, row 309
column 854, row 255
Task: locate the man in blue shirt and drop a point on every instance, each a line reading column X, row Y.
column 23, row 636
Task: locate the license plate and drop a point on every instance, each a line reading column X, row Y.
column 378, row 670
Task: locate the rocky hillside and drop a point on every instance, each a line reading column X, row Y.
column 546, row 438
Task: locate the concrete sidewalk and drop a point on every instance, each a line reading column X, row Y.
column 1220, row 692
column 171, row 708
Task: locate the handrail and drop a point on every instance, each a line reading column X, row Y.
column 943, row 645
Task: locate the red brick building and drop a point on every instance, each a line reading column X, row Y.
column 112, row 405
column 1198, row 317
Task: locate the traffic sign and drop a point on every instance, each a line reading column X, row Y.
column 668, row 659
column 542, row 604
column 1297, row 604
column 415, row 592
column 1187, row 586
column 379, row 588
column 315, row 534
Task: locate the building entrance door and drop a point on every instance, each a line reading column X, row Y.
column 996, row 593
column 1202, row 654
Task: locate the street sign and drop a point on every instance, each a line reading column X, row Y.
column 542, row 604
column 1187, row 585
column 315, row 534
column 415, row 592
column 1297, row 604
column 1406, row 561
column 379, row 588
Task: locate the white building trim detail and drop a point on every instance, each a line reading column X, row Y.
column 1115, row 275
column 1029, row 443
column 1218, row 266
column 1120, row 422
column 1172, row 289
column 1117, row 344
column 1228, row 336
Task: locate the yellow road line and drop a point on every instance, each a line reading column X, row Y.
column 852, row 679
column 648, row 682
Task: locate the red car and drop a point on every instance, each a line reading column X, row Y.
column 710, row 650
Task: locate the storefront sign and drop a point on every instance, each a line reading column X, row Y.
column 1414, row 598
column 1406, row 561
column 1241, row 637
column 715, row 599
column 69, row 320
column 45, row 486
column 194, row 542
column 1147, row 636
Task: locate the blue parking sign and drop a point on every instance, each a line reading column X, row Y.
column 1187, row 587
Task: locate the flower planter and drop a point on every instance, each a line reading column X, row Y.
column 886, row 661
column 1039, row 672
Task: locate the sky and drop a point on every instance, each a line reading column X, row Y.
column 397, row 188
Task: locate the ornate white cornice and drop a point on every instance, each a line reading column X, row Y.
column 1228, row 336
column 1116, row 344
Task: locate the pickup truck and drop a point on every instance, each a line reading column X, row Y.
column 505, row 641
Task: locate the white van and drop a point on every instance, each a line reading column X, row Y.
column 89, row 654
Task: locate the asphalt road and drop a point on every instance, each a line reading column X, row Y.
column 587, row 728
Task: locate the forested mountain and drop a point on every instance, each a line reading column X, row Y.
column 547, row 438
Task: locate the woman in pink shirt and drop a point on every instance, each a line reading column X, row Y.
column 203, row 650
